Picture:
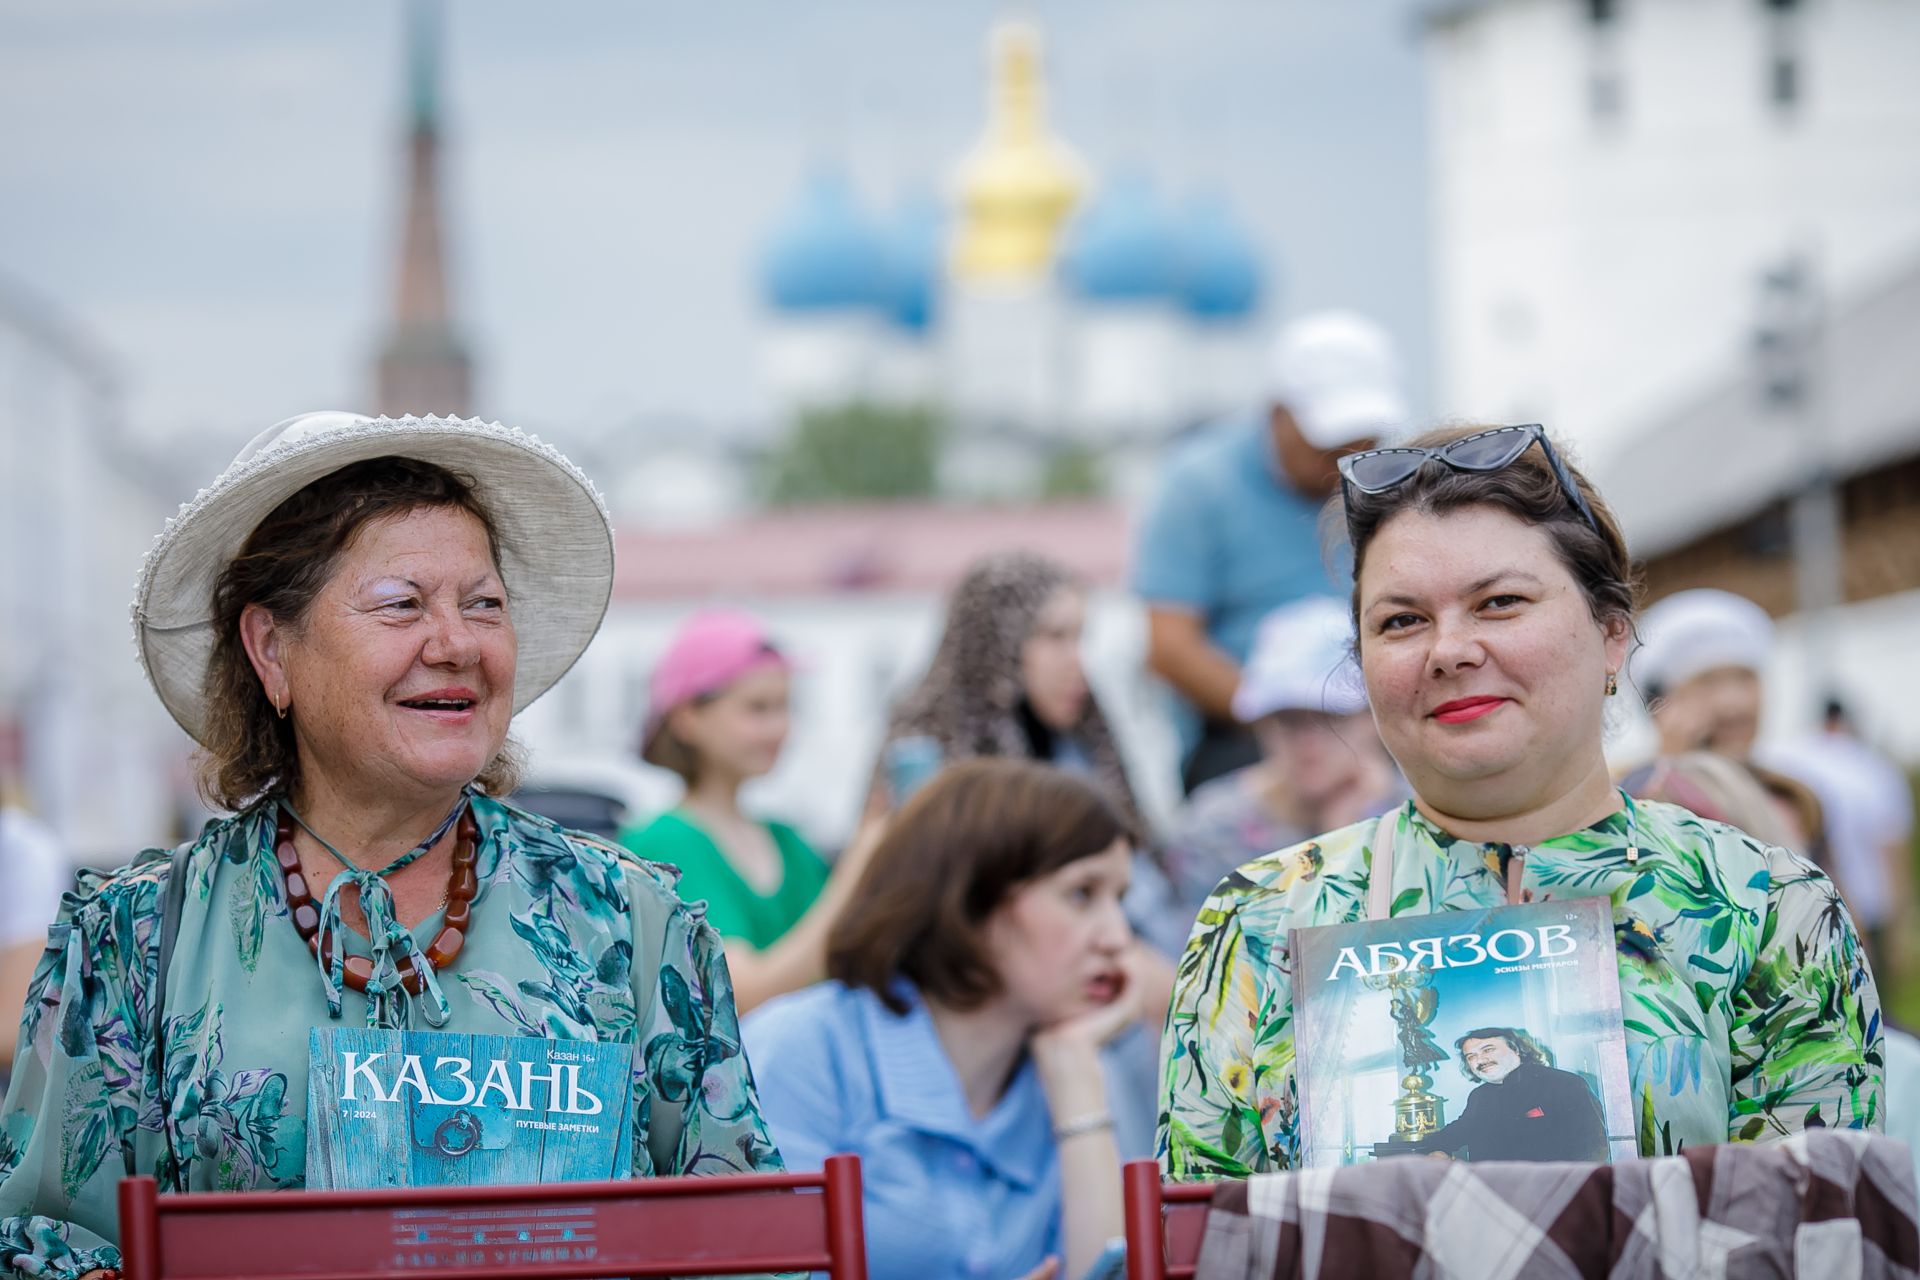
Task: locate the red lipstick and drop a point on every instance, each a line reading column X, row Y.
column 1461, row 710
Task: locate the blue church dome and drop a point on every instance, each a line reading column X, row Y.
column 1124, row 248
column 825, row 253
column 1219, row 268
column 912, row 247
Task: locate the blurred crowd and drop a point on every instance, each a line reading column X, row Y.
column 972, row 993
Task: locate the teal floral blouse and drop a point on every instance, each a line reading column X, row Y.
column 1750, row 1012
column 570, row 939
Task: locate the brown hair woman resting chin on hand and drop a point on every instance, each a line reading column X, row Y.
column 979, row 968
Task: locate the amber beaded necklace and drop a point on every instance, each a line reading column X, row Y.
column 397, row 960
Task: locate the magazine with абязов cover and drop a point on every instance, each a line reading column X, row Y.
column 1483, row 1035
column 430, row 1108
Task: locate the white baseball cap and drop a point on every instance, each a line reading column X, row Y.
column 1339, row 376
column 1302, row 661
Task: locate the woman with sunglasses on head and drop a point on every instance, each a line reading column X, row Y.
column 1493, row 600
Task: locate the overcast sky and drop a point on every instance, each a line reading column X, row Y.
column 210, row 187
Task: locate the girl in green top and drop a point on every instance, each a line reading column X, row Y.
column 718, row 716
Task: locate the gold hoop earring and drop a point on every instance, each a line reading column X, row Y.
column 1613, row 684
column 279, row 710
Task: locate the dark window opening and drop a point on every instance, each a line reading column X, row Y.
column 1605, row 98
column 1783, row 75
column 1768, row 535
column 1783, row 84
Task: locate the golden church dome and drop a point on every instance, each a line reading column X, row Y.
column 1019, row 184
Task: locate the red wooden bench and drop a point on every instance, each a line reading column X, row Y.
column 1165, row 1221
column 559, row 1231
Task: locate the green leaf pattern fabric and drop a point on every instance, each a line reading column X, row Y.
column 570, row 939
column 1749, row 1007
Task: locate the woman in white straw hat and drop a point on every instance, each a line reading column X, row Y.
column 347, row 621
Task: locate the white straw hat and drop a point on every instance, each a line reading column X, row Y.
column 556, row 541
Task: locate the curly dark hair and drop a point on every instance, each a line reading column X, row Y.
column 1530, row 1051
column 247, row 750
column 1526, row 489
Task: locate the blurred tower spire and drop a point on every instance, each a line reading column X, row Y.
column 1019, row 183
column 424, row 367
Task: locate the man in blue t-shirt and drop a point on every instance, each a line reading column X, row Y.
column 1233, row 533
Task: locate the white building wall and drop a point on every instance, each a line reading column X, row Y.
column 982, row 464
column 1592, row 270
column 1004, row 356
column 101, row 763
column 681, row 484
column 906, row 368
column 818, row 359
column 1225, row 367
column 1128, row 371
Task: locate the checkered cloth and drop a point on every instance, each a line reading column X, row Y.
column 1825, row 1204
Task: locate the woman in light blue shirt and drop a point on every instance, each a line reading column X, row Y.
column 976, row 971
column 1007, row 680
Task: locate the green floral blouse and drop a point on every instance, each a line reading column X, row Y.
column 1750, row 1012
column 570, row 939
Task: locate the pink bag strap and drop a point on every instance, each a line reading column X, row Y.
column 1380, row 879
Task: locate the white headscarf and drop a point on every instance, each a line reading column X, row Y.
column 1695, row 631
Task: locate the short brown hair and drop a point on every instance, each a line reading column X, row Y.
column 1526, row 489
column 966, row 841
column 247, row 750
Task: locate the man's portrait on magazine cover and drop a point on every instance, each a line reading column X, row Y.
column 1522, row 1106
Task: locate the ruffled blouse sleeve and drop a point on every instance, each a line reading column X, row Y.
column 696, row 1108
column 70, row 1123
column 1227, row 1051
column 1807, row 1047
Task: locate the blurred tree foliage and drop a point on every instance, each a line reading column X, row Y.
column 857, row 451
column 1074, row 471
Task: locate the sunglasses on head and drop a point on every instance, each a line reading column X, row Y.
column 1380, row 470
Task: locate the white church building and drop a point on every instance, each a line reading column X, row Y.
column 1039, row 307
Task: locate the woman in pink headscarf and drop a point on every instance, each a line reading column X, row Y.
column 717, row 715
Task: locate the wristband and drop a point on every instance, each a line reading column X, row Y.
column 1093, row 1122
